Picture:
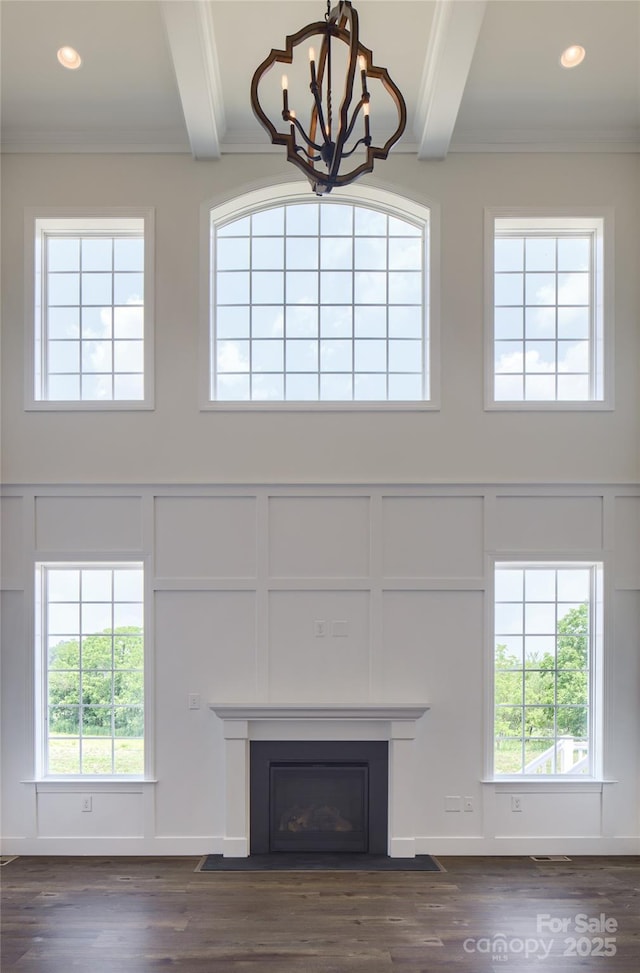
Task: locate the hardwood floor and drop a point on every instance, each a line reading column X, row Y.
column 141, row 915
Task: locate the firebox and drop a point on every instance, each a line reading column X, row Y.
column 318, row 796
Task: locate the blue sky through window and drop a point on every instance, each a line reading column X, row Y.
column 319, row 301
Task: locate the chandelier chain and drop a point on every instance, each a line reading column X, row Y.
column 329, row 98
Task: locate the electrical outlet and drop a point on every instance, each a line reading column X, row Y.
column 194, row 701
column 320, row 629
column 516, row 802
column 87, row 802
column 467, row 803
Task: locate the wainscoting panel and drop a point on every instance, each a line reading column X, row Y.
column 306, row 667
column 88, row 523
column 421, row 637
column 17, row 748
column 11, row 542
column 205, row 537
column 206, row 642
column 318, row 537
column 627, row 540
column 549, row 814
column 549, row 523
column 432, row 537
column 113, row 815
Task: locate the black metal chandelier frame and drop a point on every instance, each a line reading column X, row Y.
column 326, row 142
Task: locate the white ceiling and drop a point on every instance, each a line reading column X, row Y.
column 174, row 76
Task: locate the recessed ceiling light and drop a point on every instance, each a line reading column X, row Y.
column 69, row 58
column 573, row 56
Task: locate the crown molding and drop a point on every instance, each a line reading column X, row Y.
column 158, row 142
column 546, row 140
column 105, row 141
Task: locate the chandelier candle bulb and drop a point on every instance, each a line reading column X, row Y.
column 285, row 94
column 365, row 108
column 363, row 73
column 312, row 65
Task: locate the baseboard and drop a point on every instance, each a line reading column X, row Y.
column 534, row 845
column 199, row 845
column 161, row 846
column 402, row 847
column 235, row 847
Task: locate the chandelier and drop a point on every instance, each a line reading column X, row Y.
column 338, row 126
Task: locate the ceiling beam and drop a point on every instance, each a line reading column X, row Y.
column 452, row 42
column 191, row 37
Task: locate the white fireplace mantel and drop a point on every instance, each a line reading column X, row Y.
column 395, row 723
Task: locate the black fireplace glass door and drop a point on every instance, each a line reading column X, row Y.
column 318, row 795
column 318, row 807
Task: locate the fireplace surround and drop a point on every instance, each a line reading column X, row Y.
column 243, row 725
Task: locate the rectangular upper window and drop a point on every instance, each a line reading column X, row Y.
column 92, row 312
column 547, row 322
column 320, row 302
column 90, row 641
column 546, row 665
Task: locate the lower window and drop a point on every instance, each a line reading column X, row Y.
column 547, row 622
column 92, row 649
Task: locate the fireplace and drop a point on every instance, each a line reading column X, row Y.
column 318, row 796
column 394, row 726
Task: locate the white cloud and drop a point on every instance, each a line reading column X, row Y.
column 128, row 321
column 517, row 362
column 576, row 358
column 233, row 356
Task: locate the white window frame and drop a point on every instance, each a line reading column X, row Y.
column 214, row 213
column 596, row 669
column 556, row 221
column 41, row 670
column 76, row 220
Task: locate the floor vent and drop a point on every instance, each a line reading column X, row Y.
column 549, row 858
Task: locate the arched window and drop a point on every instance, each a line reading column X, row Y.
column 319, row 301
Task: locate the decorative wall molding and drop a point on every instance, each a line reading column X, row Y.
column 398, row 573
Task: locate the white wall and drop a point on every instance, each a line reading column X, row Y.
column 460, row 443
column 387, row 522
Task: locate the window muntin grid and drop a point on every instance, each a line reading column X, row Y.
column 319, row 302
column 543, row 669
column 90, row 337
column 545, row 315
column 93, row 664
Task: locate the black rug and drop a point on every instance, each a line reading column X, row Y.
column 319, row 861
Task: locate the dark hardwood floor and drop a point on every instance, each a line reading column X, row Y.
column 141, row 915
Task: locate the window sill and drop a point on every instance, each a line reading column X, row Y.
column 588, row 405
column 588, row 785
column 85, row 783
column 46, row 405
column 316, row 406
